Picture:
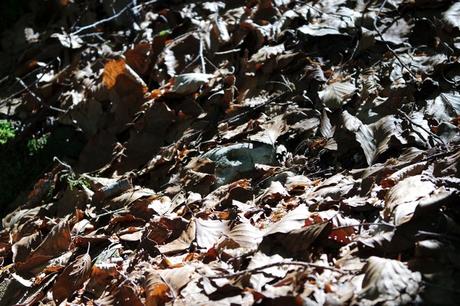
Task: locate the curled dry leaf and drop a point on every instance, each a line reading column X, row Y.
column 22, row 248
column 275, row 193
column 296, row 243
column 293, row 220
column 246, row 235
column 271, row 131
column 258, row 115
column 364, row 135
column 403, row 173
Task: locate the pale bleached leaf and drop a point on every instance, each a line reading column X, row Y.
column 389, row 282
column 209, row 231
column 335, row 95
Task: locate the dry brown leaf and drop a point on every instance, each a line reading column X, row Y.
column 112, row 70
column 101, row 274
column 23, row 247
column 55, row 243
column 72, row 278
column 157, row 292
column 296, row 243
column 177, row 278
column 138, row 57
column 403, row 173
column 401, row 200
column 274, row 194
column 183, row 242
column 294, row 219
column 128, row 295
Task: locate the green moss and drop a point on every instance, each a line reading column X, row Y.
column 35, row 145
column 23, row 162
column 7, row 131
column 164, row 33
column 75, row 181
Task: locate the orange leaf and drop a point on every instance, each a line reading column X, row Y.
column 156, row 93
column 157, row 294
column 112, row 70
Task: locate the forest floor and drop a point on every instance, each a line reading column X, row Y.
column 271, row 152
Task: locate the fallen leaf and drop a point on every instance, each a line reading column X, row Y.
column 157, row 292
column 389, row 282
column 209, row 231
column 183, row 242
column 72, row 278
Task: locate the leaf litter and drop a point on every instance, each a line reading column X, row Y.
column 241, row 152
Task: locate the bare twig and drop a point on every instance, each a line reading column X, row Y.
column 19, row 80
column 329, row 13
column 65, row 165
column 4, row 79
column 228, row 51
column 130, row 5
column 37, row 98
column 235, row 118
column 439, row 139
column 386, row 43
column 436, row 235
column 203, row 63
column 364, row 224
column 286, row 263
column 99, row 22
column 139, row 6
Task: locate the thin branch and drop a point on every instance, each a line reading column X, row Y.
column 139, row 6
column 364, row 224
column 228, row 51
column 111, row 212
column 19, row 80
column 258, row 107
column 287, row 263
column 436, row 235
column 213, row 66
column 37, row 98
column 386, row 43
column 4, row 79
column 127, row 7
column 203, row 63
column 99, row 22
column 439, row 139
column 65, row 165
